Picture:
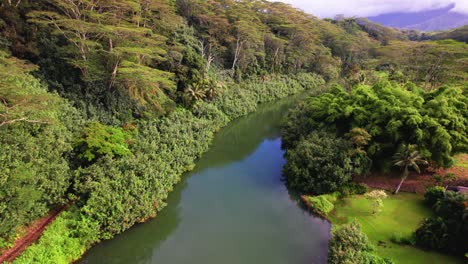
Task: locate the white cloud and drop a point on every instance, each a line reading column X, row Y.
column 329, row 8
column 461, row 6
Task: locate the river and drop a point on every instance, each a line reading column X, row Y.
column 233, row 208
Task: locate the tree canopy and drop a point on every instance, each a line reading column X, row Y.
column 393, row 115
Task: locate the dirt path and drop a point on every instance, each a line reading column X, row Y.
column 417, row 183
column 32, row 233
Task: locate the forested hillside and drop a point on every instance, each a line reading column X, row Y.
column 104, row 104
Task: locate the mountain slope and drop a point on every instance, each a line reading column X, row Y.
column 430, row 20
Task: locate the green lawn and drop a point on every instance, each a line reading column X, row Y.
column 400, row 216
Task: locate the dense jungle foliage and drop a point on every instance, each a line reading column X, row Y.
column 366, row 126
column 390, row 114
column 104, row 104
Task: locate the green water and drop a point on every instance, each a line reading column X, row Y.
column 232, row 209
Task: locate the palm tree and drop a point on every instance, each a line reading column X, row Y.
column 406, row 159
column 196, row 92
column 211, row 88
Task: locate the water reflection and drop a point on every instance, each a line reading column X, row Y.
column 243, row 135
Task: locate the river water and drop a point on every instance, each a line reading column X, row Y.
column 232, row 209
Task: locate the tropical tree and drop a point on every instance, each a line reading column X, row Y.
column 22, row 97
column 212, row 88
column 196, row 92
column 359, row 136
column 376, row 197
column 406, row 159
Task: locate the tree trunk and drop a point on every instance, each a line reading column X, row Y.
column 403, row 178
column 114, row 73
column 239, row 44
column 210, row 60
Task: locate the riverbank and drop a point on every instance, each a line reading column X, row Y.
column 172, row 144
column 388, row 229
column 401, row 215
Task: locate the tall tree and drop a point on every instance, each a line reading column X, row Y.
column 408, row 158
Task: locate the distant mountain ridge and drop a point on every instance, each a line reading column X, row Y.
column 430, row 20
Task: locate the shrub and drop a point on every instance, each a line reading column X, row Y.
column 398, row 238
column 444, row 180
column 433, row 234
column 348, row 237
column 451, row 205
column 99, row 140
column 438, row 179
column 376, row 197
column 433, row 194
column 349, row 245
column 322, row 204
column 448, row 229
column 140, row 183
column 353, row 188
column 210, row 112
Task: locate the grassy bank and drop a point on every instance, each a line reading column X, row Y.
column 118, row 193
column 400, row 217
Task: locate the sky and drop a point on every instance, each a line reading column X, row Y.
column 329, row 8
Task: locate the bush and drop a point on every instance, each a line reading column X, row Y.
column 433, row 234
column 376, row 196
column 451, row 205
column 353, row 188
column 448, row 229
column 349, row 245
column 398, row 238
column 321, row 205
column 444, row 180
column 433, row 194
column 99, row 140
column 210, row 112
column 236, row 102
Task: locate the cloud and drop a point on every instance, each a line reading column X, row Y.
column 329, row 8
column 461, row 6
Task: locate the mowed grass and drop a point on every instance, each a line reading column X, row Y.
column 400, row 217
